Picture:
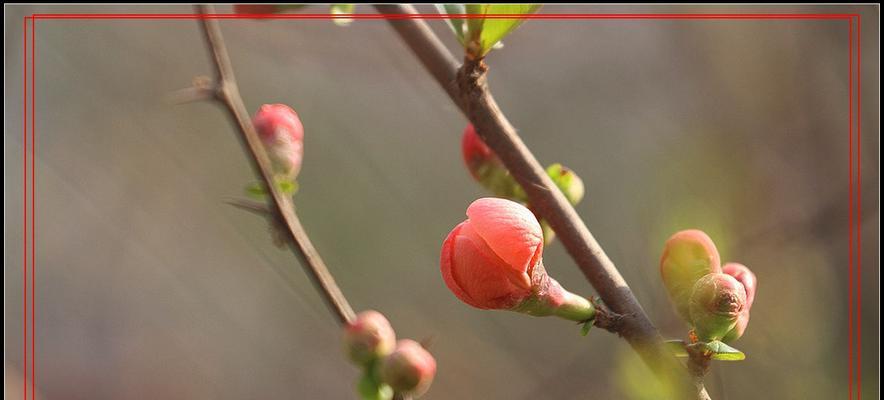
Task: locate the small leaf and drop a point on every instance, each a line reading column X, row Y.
column 342, row 9
column 723, row 352
column 586, row 327
column 288, row 187
column 678, row 348
column 256, row 191
column 485, row 33
column 457, row 25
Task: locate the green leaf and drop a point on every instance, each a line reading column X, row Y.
column 723, row 352
column 342, row 9
column 256, row 190
column 457, row 25
column 678, row 348
column 485, row 33
column 584, row 330
column 288, row 187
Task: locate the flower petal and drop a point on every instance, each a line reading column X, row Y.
column 509, row 229
column 447, row 262
column 488, row 281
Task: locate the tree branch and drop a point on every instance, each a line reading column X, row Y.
column 468, row 88
column 225, row 91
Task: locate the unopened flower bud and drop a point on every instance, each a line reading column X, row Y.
column 493, row 261
column 409, row 370
column 687, row 256
column 487, row 169
column 716, row 303
column 745, row 276
column 369, row 337
column 568, row 182
column 282, row 134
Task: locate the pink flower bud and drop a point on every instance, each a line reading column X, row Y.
column 715, row 305
column 282, row 134
column 745, row 276
column 409, row 370
column 487, row 260
column 369, row 337
column 475, row 152
column 687, row 256
column 487, row 169
column 493, row 261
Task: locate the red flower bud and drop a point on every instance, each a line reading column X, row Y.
column 493, row 261
column 282, row 134
column 745, row 276
column 687, row 256
column 369, row 337
column 475, row 152
column 409, row 369
column 715, row 305
column 487, row 169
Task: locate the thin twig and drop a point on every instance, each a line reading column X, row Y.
column 226, row 92
column 468, row 89
column 698, row 366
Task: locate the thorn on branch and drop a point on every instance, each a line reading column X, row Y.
column 277, row 225
column 202, row 89
column 250, row 206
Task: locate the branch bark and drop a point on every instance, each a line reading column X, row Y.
column 467, row 87
column 224, row 90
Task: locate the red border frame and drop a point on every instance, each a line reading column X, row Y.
column 854, row 220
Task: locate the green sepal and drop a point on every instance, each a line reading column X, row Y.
column 724, row 352
column 677, row 347
column 498, row 180
column 718, row 350
column 584, row 330
column 370, row 386
column 258, row 191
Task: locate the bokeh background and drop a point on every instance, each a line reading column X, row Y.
column 149, row 286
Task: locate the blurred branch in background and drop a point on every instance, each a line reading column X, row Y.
column 467, row 87
column 224, row 89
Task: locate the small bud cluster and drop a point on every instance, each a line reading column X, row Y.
column 715, row 300
column 487, row 169
column 389, row 366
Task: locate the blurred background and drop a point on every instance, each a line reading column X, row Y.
column 149, row 286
